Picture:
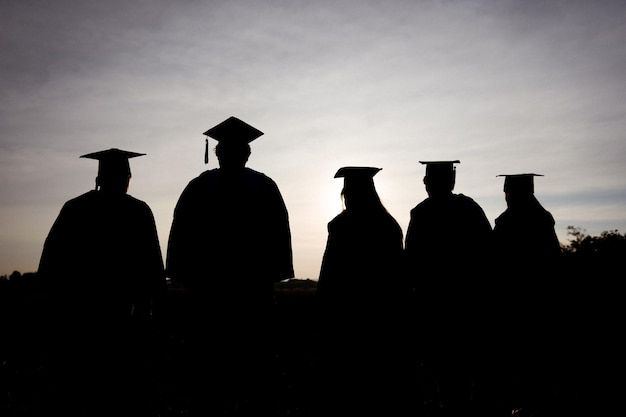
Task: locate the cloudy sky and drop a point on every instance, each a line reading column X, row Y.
column 504, row 86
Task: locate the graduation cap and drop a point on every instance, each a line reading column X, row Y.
column 231, row 130
column 357, row 172
column 440, row 169
column 112, row 161
column 519, row 182
column 357, row 178
column 358, row 183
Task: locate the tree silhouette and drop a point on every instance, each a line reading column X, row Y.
column 608, row 244
column 591, row 308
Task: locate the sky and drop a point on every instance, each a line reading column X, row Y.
column 504, row 86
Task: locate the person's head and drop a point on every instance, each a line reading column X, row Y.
column 440, row 177
column 233, row 142
column 358, row 190
column 232, row 155
column 113, row 182
column 113, row 169
column 519, row 188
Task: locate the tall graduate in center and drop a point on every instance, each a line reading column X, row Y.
column 230, row 241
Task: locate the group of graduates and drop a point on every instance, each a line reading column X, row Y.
column 449, row 320
column 454, row 318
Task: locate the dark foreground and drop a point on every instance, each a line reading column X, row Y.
column 590, row 380
column 25, row 363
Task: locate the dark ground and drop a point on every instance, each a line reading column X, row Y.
column 24, row 366
column 591, row 381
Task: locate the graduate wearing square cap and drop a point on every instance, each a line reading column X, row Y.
column 525, row 213
column 106, row 229
column 372, row 230
column 358, row 182
column 359, row 289
column 229, row 243
column 440, row 176
column 102, row 260
column 447, row 250
column 526, row 255
column 445, row 226
column 113, row 168
column 246, row 213
column 519, row 183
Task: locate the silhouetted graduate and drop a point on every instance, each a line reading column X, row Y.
column 229, row 243
column 524, row 232
column 230, row 230
column 102, row 261
column 448, row 237
column 527, row 253
column 358, row 292
column 447, row 247
column 364, row 245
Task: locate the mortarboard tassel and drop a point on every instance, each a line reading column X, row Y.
column 206, row 151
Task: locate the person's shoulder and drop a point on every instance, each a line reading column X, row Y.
column 135, row 201
column 252, row 173
column 85, row 196
column 138, row 207
column 462, row 197
column 260, row 180
column 540, row 214
column 502, row 217
column 465, row 199
column 422, row 204
column 82, row 199
column 202, row 180
column 206, row 175
column 339, row 219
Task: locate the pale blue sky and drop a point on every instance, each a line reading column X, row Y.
column 504, row 86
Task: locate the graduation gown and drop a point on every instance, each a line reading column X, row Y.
column 229, row 243
column 359, row 290
column 230, row 233
column 103, row 266
column 103, row 257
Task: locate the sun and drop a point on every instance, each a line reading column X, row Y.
column 332, row 204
